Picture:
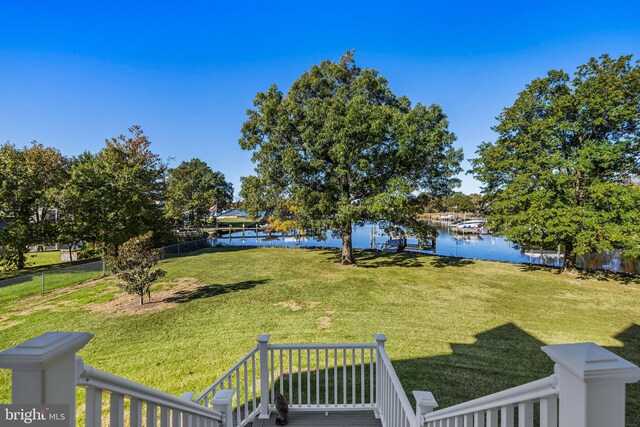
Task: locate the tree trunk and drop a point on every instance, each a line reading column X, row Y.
column 70, row 253
column 570, row 265
column 142, row 299
column 149, row 295
column 22, row 260
column 347, row 246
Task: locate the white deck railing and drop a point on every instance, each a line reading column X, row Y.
column 500, row 408
column 586, row 390
column 159, row 406
column 393, row 405
column 242, row 378
column 316, row 377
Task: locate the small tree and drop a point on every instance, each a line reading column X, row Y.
column 134, row 265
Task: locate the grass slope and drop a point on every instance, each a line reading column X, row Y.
column 459, row 328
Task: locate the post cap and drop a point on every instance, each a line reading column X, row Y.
column 43, row 351
column 223, row 397
column 380, row 338
column 188, row 395
column 590, row 362
column 264, row 338
column 425, row 399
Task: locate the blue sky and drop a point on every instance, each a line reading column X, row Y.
column 75, row 73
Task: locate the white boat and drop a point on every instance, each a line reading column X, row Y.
column 470, row 225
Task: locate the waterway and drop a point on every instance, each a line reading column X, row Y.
column 485, row 246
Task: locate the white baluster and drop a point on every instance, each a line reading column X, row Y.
column 93, row 416
column 187, row 420
column 478, row 419
column 135, row 413
column 468, row 420
column 116, row 416
column 317, row 377
column 152, row 414
column 362, row 377
column 525, row 414
column 492, row 418
column 506, row 416
column 549, row 412
column 353, row 377
column 176, row 416
column 309, row 377
column 299, row 377
column 246, row 389
column 326, row 377
column 290, row 376
column 164, row 416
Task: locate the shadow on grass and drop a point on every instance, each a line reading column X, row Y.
column 603, row 275
column 540, row 267
column 444, row 261
column 209, row 291
column 501, row 358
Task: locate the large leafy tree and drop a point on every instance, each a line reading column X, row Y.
column 193, row 188
column 344, row 150
column 82, row 213
column 116, row 194
column 30, row 179
column 562, row 169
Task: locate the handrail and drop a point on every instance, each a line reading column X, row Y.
column 321, row 346
column 534, row 390
column 224, row 376
column 407, row 410
column 96, row 378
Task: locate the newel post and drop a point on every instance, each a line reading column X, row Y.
column 223, row 402
column 43, row 369
column 380, row 340
column 263, row 348
column 591, row 381
column 425, row 404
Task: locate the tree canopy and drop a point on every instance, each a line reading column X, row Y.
column 345, row 150
column 192, row 189
column 29, row 180
column 563, row 170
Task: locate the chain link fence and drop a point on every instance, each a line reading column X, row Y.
column 183, row 247
column 48, row 280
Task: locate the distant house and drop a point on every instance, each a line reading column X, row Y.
column 232, row 213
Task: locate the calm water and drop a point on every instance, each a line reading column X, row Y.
column 470, row 246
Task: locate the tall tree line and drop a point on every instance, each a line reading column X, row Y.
column 102, row 199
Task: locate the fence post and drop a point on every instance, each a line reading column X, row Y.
column 43, row 282
column 223, row 401
column 104, row 269
column 43, row 369
column 263, row 348
column 592, row 382
column 380, row 340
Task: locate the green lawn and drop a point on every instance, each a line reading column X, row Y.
column 458, row 328
column 34, row 261
column 38, row 261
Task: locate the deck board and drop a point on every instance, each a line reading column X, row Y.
column 333, row 419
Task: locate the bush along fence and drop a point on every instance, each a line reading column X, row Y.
column 48, row 280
